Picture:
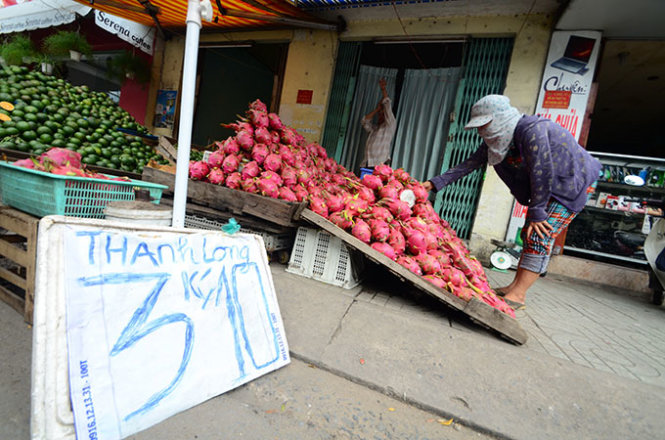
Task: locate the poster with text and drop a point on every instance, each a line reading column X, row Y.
column 158, row 322
column 165, row 109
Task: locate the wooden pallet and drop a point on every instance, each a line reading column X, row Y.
column 18, row 246
column 236, row 202
column 477, row 310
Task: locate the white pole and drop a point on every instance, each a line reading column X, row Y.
column 195, row 9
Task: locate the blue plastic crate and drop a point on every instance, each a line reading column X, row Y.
column 40, row 193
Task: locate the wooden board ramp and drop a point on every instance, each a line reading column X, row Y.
column 479, row 312
column 237, row 202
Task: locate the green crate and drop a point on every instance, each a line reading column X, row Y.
column 40, row 193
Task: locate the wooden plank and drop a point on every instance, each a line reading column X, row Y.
column 477, row 310
column 13, row 278
column 14, row 253
column 226, row 199
column 15, row 302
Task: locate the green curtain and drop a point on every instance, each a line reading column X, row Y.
column 423, row 118
column 367, row 96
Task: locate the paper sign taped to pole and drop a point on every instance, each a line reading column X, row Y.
column 158, row 320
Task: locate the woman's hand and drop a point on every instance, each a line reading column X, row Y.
column 428, row 185
column 541, row 228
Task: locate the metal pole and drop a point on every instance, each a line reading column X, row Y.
column 195, row 10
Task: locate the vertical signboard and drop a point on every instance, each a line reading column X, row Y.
column 157, row 320
column 564, row 92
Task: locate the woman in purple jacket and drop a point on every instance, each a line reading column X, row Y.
column 545, row 169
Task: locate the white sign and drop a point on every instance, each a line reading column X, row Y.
column 158, row 320
column 136, row 34
column 564, row 92
column 39, row 14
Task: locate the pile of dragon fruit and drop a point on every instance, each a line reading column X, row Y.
column 267, row 158
column 63, row 162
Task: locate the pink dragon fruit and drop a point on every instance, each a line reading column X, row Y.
column 289, row 137
column 233, row 180
column 251, row 169
column 372, row 181
column 61, row 156
column 25, row 163
column 245, row 140
column 355, row 205
column 453, row 276
column 215, row 159
column 383, row 171
column 68, row 170
column 258, row 105
column 268, row 187
column 273, row 162
column 285, row 193
column 428, row 263
column 260, row 152
column 380, row 230
column 410, row 264
column 318, row 205
column 287, row 155
column 419, row 191
column 272, row 176
column 275, row 137
column 198, row 170
column 397, row 208
column 262, row 135
column 300, row 192
column 259, row 118
column 397, row 241
column 437, row 281
column 216, row 176
column 249, row 185
column 362, row 231
column 274, row 121
column 385, row 249
column 240, row 126
column 415, row 241
column 366, row 194
column 230, row 146
column 289, row 176
column 341, row 219
column 335, row 202
column 388, row 192
column 230, row 163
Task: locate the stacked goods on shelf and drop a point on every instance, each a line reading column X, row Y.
column 46, row 111
column 267, row 158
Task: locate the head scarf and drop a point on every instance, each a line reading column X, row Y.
column 498, row 134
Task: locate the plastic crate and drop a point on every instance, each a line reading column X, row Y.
column 323, row 257
column 272, row 242
column 40, row 193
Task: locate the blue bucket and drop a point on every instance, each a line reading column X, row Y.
column 365, row 171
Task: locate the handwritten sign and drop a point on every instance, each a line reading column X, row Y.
column 158, row 322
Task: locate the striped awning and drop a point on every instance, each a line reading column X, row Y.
column 317, row 5
column 228, row 14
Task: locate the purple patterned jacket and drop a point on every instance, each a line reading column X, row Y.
column 545, row 161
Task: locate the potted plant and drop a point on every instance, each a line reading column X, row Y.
column 18, row 50
column 46, row 64
column 129, row 65
column 64, row 43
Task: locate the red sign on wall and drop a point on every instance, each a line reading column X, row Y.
column 557, row 99
column 304, row 97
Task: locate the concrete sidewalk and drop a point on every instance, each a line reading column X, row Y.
column 592, row 368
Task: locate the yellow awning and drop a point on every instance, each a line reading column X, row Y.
column 228, row 14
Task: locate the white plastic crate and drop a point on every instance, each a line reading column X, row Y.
column 323, row 257
column 273, row 242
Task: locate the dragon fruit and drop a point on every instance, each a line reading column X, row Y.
column 230, row 146
column 428, row 263
column 251, row 169
column 373, row 182
column 230, row 163
column 415, row 241
column 385, row 249
column 245, row 140
column 262, row 135
column 383, row 171
column 233, row 180
column 397, row 241
column 410, row 264
column 287, row 155
column 289, row 137
column 362, row 231
column 341, row 219
column 397, row 208
column 437, row 281
column 300, row 192
column 240, row 126
column 25, row 163
column 380, row 230
column 268, row 187
column 289, row 176
column 215, row 159
column 259, row 118
column 61, row 156
column 335, row 202
column 273, row 176
column 273, row 162
column 367, row 194
column 198, row 170
column 259, row 105
column 318, row 205
column 260, row 152
column 388, row 192
column 69, row 170
column 285, row 193
column 216, row 176
column 274, row 121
